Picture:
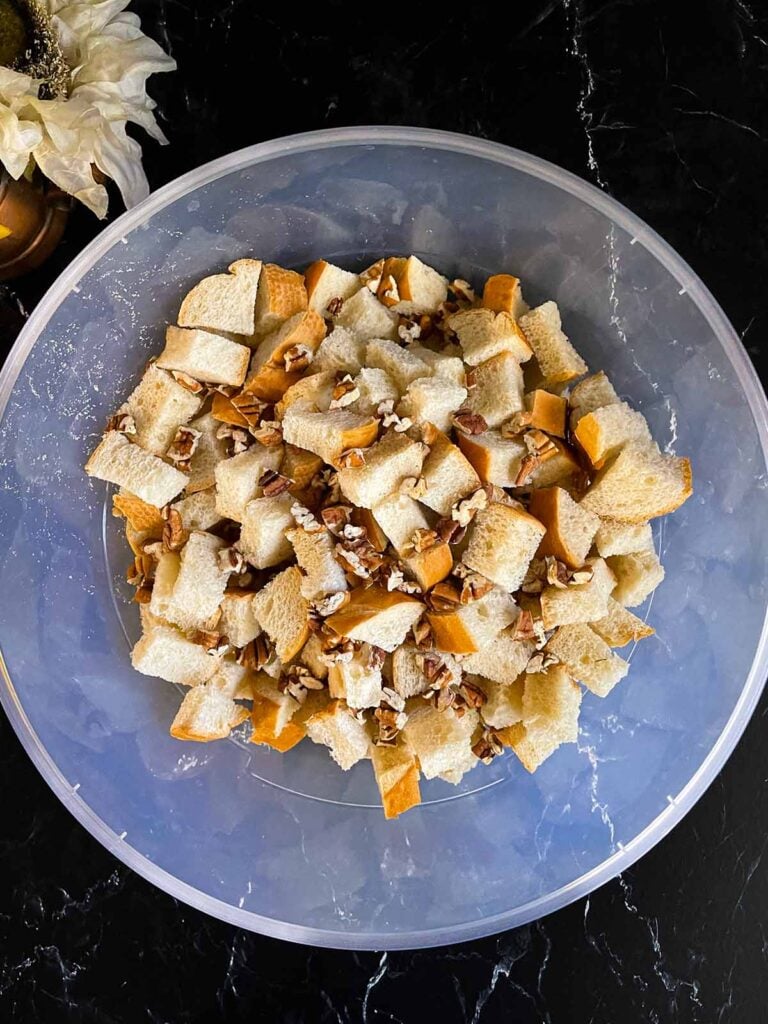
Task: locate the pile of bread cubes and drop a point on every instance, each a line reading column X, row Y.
column 385, row 513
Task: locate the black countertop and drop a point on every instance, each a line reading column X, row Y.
column 664, row 106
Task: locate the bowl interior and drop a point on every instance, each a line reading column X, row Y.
column 289, row 844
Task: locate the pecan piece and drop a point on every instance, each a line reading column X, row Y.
column 469, row 422
column 487, row 747
column 174, row 534
column 335, row 306
column 122, row 422
column 473, row 695
column 273, row 483
column 352, row 458
column 443, row 597
column 297, row 358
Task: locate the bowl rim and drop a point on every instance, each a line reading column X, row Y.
column 678, row 805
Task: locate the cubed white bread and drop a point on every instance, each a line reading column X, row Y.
column 430, row 566
column 328, row 434
column 614, row 538
column 502, row 660
column 592, row 393
column 238, row 622
column 342, row 351
column 640, row 484
column 281, row 295
column 147, row 620
column 120, row 462
column 300, row 466
column 419, row 287
column 496, row 389
column 166, row 574
column 166, row 653
column 557, row 359
column 471, row 627
column 276, row 717
column 159, row 406
column 314, row 393
column 140, row 516
column 408, row 677
column 356, row 683
column 504, row 702
column 570, row 528
column 532, row 747
column 400, row 363
column 315, row 553
column 312, row 656
column 200, row 583
column 337, row 728
column 207, row 714
column 233, row 680
column 484, row 334
column 204, row 355
column 503, row 294
column 502, row 541
column 210, row 451
column 198, row 510
column 546, row 411
column 306, row 330
column 387, row 463
column 287, row 707
column 365, row 315
column 377, row 616
column 560, row 467
column 445, row 365
column 551, row 703
column 448, row 475
column 400, row 517
column 397, row 776
column 441, row 740
column 637, row 575
column 620, row 627
column 325, row 282
column 432, row 400
column 583, row 602
column 494, row 458
column 283, row 613
column 237, row 479
column 587, row 657
column 266, row 521
column 375, row 386
column 600, row 434
column 224, row 302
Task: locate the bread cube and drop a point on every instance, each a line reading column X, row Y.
column 328, row 434
column 637, row 575
column 159, row 406
column 199, row 586
column 281, row 295
column 471, row 627
column 430, row 566
column 387, row 463
column 502, row 294
column 283, row 613
column 502, row 660
column 561, row 467
column 342, row 351
column 445, row 365
column 237, row 479
column 409, row 286
column 484, row 334
column 315, row 553
column 198, row 511
column 448, row 475
column 224, row 302
column 570, row 528
column 376, row 616
column 397, row 776
column 325, row 282
column 441, row 740
column 584, row 602
column 532, row 747
column 131, row 467
column 408, row 677
column 551, row 704
column 312, row 656
column 141, row 516
column 166, row 653
column 502, row 541
column 587, row 658
column 233, row 680
column 589, row 394
column 238, row 622
column 263, row 538
column 314, row 393
column 375, row 386
column 557, row 359
column 400, row 517
column 614, row 538
column 639, row 484
column 300, row 466
column 546, row 411
column 269, row 375
column 496, row 389
column 166, row 574
column 504, row 702
column 356, row 683
column 619, row 626
column 365, row 315
column 401, row 364
column 206, row 714
column 494, row 458
column 432, row 400
column 337, row 728
column 204, row 355
column 600, row 434
column 210, row 451
column 273, row 720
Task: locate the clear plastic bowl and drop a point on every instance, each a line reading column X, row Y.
column 289, row 845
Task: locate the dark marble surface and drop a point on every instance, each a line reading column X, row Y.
column 664, row 106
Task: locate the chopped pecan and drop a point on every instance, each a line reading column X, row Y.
column 352, row 458
column 231, row 560
column 393, row 698
column 444, row 698
column 393, row 577
column 250, row 407
column 374, row 657
column 210, row 640
column 473, row 587
column 528, row 465
column 297, row 680
column 398, row 423
column 326, row 606
column 334, row 307
column 487, row 747
column 269, row 433
column 122, row 422
column 358, row 555
column 143, row 593
column 371, row 277
column 174, row 534
column 387, row 292
column 443, row 597
column 187, row 382
column 422, row 635
column 336, row 649
column 336, row 517
column 423, row 540
column 238, row 440
column 255, row 654
column 474, row 696
column 273, row 483
column 558, row 574
column 184, row 446
column 449, row 531
column 535, row 577
column 408, row 330
column 436, row 671
column 344, row 393
column 390, row 723
column 524, row 626
column 469, row 422
column 414, row 487
column 463, row 512
column 517, row 424
column 297, row 358
column 540, row 662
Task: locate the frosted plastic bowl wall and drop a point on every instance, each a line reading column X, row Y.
column 290, row 846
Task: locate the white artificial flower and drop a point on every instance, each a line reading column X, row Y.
column 109, row 60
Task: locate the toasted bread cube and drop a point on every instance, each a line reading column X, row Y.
column 133, row 468
column 547, row 411
column 589, row 394
column 637, row 575
column 471, row 627
column 400, row 517
column 166, row 574
column 587, row 658
column 614, row 538
column 141, row 516
column 430, row 566
column 570, row 528
column 401, row 365
column 448, row 475
column 224, row 302
column 376, row 616
column 233, row 680
column 496, row 389
column 237, row 479
column 198, row 511
column 325, row 282
column 602, row 433
column 263, row 538
column 269, row 375
column 502, row 660
column 441, row 740
column 210, row 451
column 365, row 315
column 238, row 622
column 502, row 293
column 300, row 466
column 337, row 728
column 166, row 653
column 328, row 434
column 531, row 747
column 445, row 365
column 409, row 286
column 397, row 776
column 272, row 720
column 375, row 535
column 204, row 355
column 495, row 459
column 504, row 702
column 283, row 613
column 375, row 386
column 159, row 406
column 281, row 295
column 502, row 542
column 551, row 703
column 432, row 400
column 315, row 553
column 312, row 656
column 199, row 586
column 314, row 393
column 408, row 676
column 584, row 602
column 484, row 334
column 287, row 707
column 561, row 468
column 356, row 683
column 619, row 627
column 639, row 484
column 342, row 351
column 387, row 463
column 207, row 714
column 557, row 359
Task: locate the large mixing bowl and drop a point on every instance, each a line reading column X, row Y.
column 289, row 845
